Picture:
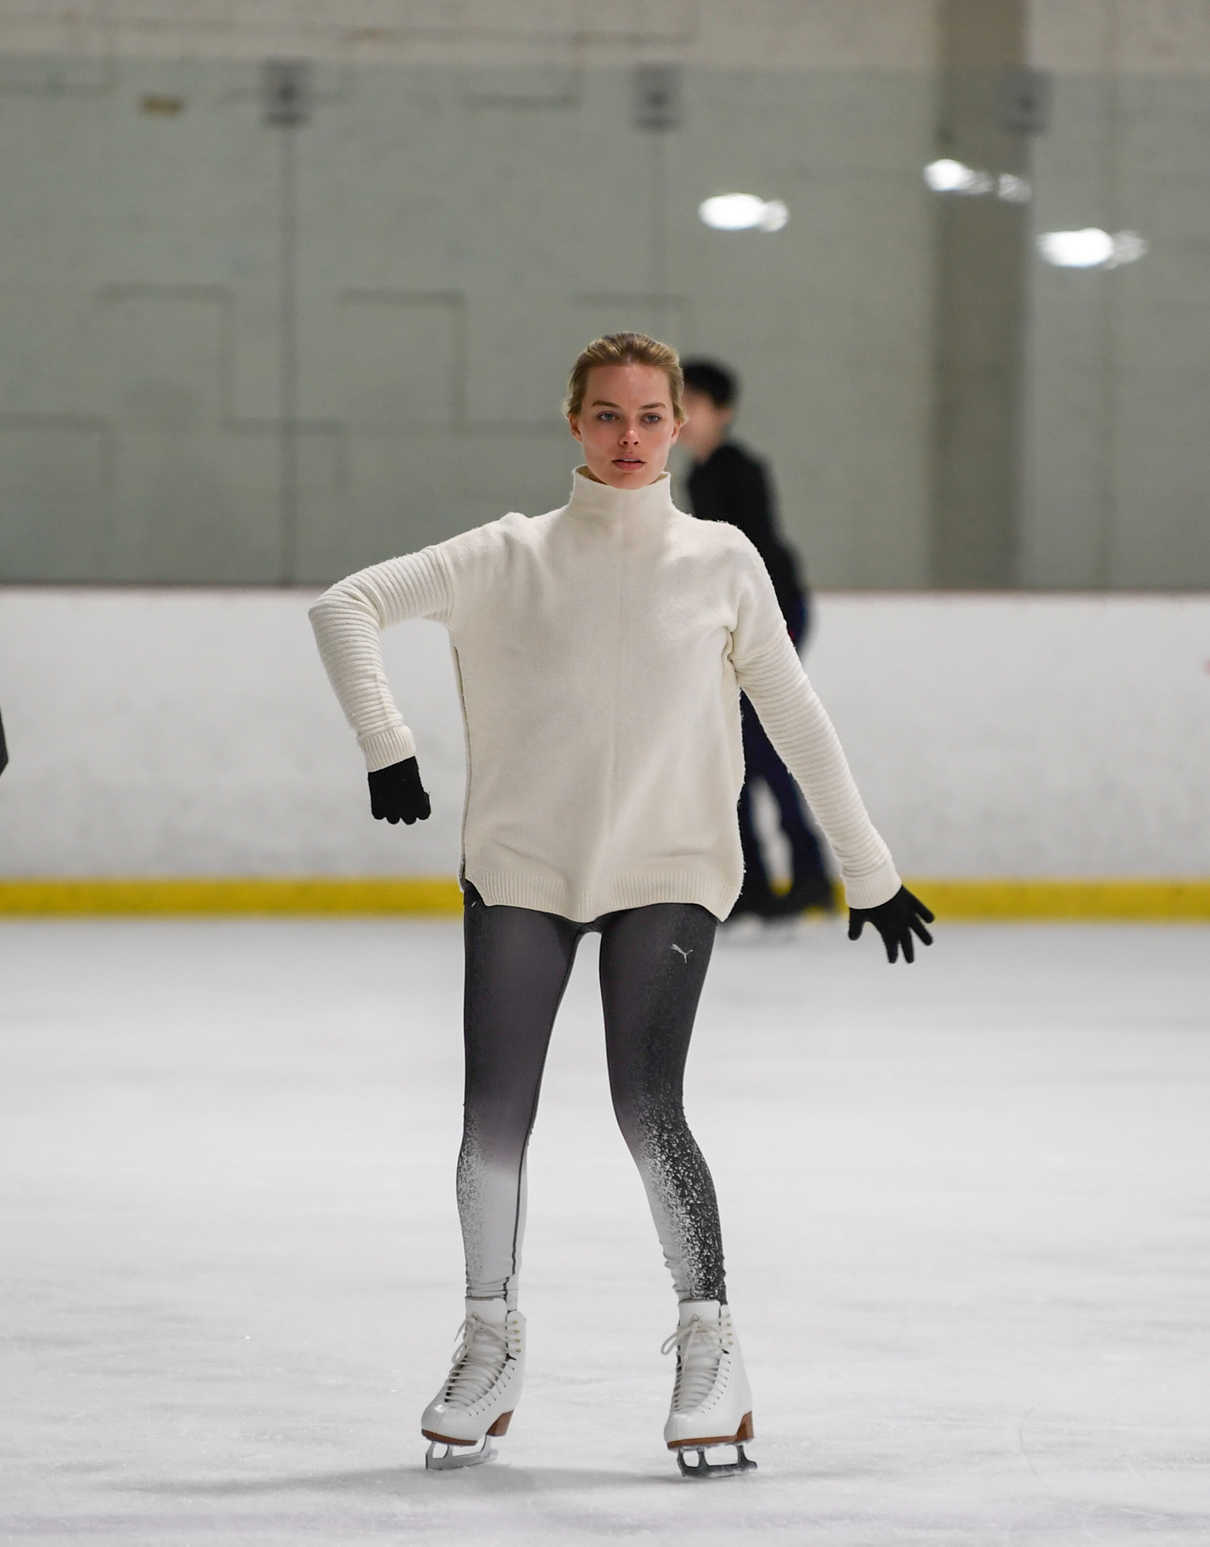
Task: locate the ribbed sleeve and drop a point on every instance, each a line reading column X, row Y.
column 348, row 620
column 769, row 671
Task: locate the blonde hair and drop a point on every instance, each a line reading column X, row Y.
column 626, row 349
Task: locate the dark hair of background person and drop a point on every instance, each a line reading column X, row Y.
column 716, row 381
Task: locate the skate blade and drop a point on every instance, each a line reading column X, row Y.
column 457, row 1454
column 707, row 1468
column 456, row 1457
column 703, row 1468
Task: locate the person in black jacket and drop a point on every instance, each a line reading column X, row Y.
column 728, row 483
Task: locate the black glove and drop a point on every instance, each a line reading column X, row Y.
column 895, row 920
column 397, row 794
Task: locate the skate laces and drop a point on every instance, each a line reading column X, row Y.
column 700, row 1347
column 478, row 1360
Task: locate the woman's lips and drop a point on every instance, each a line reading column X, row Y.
column 628, row 462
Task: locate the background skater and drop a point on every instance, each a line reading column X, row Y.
column 600, row 649
column 728, row 483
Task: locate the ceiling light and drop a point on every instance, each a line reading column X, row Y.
column 948, row 176
column 1091, row 248
column 743, row 212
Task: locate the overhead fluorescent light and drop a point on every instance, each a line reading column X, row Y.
column 1091, row 248
column 743, row 212
column 948, row 176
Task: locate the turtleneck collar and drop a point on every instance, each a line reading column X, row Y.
column 603, row 502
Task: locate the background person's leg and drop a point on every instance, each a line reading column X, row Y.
column 810, row 882
column 756, row 895
column 652, row 966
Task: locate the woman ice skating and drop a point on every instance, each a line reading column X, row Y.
column 600, row 652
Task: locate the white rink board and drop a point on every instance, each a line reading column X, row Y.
column 193, row 733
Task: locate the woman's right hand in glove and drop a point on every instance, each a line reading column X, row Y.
column 397, row 795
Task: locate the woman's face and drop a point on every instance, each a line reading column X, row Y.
column 625, row 424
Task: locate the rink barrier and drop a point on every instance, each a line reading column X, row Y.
column 223, row 894
column 1156, row 901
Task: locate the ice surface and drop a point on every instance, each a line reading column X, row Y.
column 966, row 1208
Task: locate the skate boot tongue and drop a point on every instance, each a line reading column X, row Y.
column 482, row 1355
column 699, row 1343
column 708, row 1310
column 493, row 1311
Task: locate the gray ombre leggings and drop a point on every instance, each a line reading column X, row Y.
column 652, row 965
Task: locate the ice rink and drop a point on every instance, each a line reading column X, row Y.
column 966, row 1208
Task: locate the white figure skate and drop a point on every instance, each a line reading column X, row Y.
column 711, row 1399
column 483, row 1387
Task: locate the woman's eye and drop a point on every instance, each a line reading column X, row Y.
column 604, row 414
column 653, row 418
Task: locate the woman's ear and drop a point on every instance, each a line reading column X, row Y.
column 574, row 425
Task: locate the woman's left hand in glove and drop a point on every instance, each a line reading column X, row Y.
column 896, row 920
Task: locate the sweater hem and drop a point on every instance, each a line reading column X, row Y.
column 584, row 905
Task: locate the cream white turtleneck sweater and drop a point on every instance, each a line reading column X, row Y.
column 600, row 651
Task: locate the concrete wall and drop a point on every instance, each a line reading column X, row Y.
column 1117, row 465
column 824, row 34
column 472, row 200
column 194, row 733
